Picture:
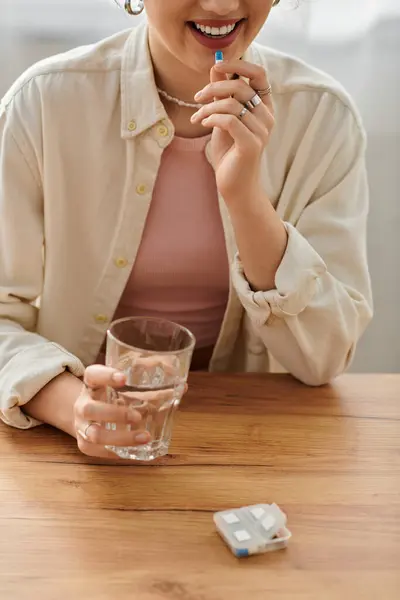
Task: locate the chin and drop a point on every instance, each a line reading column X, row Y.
column 200, row 64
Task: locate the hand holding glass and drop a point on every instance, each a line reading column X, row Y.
column 155, row 356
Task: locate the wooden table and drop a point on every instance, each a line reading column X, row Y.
column 330, row 457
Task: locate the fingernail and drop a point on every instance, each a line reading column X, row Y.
column 142, row 438
column 118, row 378
column 198, row 95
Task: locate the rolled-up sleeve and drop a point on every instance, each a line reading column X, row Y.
column 27, row 372
column 296, row 282
column 27, row 360
column 322, row 301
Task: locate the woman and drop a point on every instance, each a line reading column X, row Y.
column 138, row 177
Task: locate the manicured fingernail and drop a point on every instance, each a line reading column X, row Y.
column 118, row 378
column 142, row 438
column 198, row 95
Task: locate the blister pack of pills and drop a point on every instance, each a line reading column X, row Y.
column 253, row 529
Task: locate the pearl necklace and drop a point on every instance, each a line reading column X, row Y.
column 177, row 101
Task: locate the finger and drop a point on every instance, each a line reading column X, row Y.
column 134, row 360
column 230, row 106
column 137, row 398
column 99, row 377
column 241, row 134
column 98, row 435
column 93, row 410
column 100, row 452
column 217, row 75
column 239, row 90
column 93, row 450
column 151, row 402
column 256, row 74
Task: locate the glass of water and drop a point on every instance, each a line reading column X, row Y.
column 155, row 356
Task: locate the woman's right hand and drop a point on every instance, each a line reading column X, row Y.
column 92, row 412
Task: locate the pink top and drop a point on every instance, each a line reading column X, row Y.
column 181, row 272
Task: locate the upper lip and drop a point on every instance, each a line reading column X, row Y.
column 216, row 22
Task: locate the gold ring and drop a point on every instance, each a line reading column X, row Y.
column 266, row 92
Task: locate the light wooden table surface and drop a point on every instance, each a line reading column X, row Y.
column 330, row 457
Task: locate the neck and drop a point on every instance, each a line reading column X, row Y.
column 173, row 76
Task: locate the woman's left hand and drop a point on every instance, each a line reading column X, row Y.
column 237, row 143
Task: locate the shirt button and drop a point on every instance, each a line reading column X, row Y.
column 141, row 189
column 101, row 318
column 162, row 130
column 132, row 125
column 121, row 262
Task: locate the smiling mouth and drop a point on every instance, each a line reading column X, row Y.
column 215, row 33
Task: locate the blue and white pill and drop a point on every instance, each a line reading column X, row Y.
column 219, row 56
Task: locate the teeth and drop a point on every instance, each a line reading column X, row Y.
column 216, row 31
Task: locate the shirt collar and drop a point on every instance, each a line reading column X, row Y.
column 141, row 107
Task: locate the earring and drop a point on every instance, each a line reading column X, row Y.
column 275, row 2
column 136, row 9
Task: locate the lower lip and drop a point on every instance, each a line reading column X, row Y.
column 218, row 43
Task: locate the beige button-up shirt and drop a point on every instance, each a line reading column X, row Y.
column 81, row 139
